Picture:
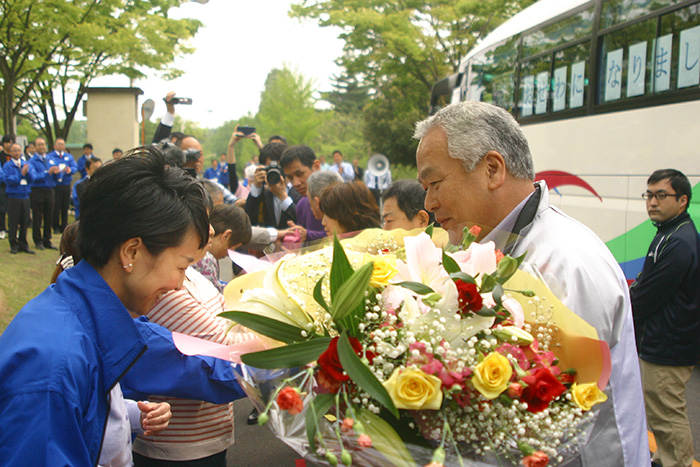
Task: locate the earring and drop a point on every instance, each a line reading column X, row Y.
column 127, row 266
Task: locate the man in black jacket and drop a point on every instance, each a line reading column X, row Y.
column 666, row 309
column 271, row 204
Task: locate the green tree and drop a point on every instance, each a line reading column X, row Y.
column 342, row 131
column 287, row 107
column 53, row 49
column 348, row 96
column 399, row 49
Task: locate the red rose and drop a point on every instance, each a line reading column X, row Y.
column 536, row 459
column 542, row 388
column 567, row 378
column 469, row 297
column 289, row 399
column 331, row 373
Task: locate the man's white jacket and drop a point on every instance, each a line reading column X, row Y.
column 583, row 274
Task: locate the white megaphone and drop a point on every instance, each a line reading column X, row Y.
column 378, row 165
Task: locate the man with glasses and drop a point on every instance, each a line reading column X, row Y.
column 666, row 310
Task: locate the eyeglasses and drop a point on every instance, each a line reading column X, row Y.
column 661, row 195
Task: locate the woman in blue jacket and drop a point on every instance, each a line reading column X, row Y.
column 62, row 357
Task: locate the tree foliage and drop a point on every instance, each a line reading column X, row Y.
column 51, row 51
column 287, row 107
column 399, row 49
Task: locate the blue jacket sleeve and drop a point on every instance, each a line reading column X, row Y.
column 164, row 371
column 76, row 201
column 39, row 428
column 7, row 175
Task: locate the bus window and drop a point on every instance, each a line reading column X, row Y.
column 492, row 75
column 620, row 11
column 569, row 82
column 683, row 27
column 534, row 87
column 562, row 32
column 625, row 69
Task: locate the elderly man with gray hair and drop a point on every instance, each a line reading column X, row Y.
column 316, row 183
column 475, row 164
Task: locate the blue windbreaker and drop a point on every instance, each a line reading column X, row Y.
column 18, row 186
column 42, row 177
column 62, row 354
column 66, row 160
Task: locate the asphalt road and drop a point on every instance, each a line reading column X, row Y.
column 257, row 447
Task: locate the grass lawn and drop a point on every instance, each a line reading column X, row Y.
column 23, row 277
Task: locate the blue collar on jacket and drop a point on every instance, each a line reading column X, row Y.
column 104, row 316
column 673, row 222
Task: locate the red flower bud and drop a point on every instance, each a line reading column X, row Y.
column 536, row 459
column 288, row 399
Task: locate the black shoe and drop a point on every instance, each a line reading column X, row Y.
column 50, row 247
column 40, row 247
column 253, row 417
column 14, row 251
column 28, row 251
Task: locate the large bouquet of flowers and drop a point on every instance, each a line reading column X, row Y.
column 404, row 350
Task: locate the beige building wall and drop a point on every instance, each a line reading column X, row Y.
column 112, row 119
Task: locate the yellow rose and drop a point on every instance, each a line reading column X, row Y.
column 384, row 269
column 414, row 390
column 492, row 375
column 587, row 395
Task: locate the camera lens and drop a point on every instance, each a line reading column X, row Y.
column 274, row 176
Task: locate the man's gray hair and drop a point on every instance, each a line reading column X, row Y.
column 475, row 128
column 317, row 181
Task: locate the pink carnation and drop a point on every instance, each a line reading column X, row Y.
column 364, row 441
column 536, row 459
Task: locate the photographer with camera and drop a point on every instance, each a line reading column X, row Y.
column 239, row 133
column 165, row 127
column 271, row 202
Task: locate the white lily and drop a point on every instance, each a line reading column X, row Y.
column 274, row 302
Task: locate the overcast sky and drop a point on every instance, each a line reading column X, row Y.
column 237, row 46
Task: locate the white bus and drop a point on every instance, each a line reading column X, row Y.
column 607, row 91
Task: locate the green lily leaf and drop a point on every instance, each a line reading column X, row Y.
column 289, row 356
column 318, row 295
column 321, row 405
column 488, row 282
column 385, row 439
column 486, row 312
column 449, row 264
column 463, row 276
column 429, row 230
column 498, row 294
column 352, row 292
column 269, row 327
column 362, row 375
column 417, row 287
column 341, row 269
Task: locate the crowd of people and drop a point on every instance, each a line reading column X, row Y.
column 38, row 187
column 142, row 261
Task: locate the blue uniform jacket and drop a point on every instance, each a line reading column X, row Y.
column 223, row 175
column 18, row 186
column 211, row 174
column 76, row 198
column 59, row 358
column 42, row 177
column 67, row 159
column 63, row 353
column 81, row 165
